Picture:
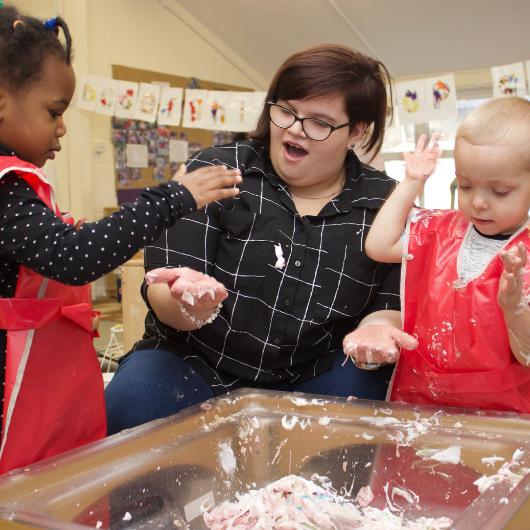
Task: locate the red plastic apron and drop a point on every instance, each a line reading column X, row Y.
column 53, row 397
column 463, row 358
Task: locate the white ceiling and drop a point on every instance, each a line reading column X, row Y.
column 412, row 37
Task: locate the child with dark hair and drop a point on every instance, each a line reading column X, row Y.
column 53, row 393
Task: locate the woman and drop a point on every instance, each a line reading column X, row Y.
column 289, row 251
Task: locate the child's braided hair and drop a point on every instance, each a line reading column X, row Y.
column 25, row 42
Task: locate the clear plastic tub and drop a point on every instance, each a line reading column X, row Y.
column 157, row 475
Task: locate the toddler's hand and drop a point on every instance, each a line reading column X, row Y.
column 372, row 345
column 197, row 290
column 208, row 184
column 420, row 164
column 511, row 285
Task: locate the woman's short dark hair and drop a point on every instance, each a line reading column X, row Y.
column 25, row 42
column 334, row 69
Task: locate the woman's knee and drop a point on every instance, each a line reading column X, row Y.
column 151, row 384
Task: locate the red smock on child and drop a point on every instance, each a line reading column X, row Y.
column 463, row 357
column 53, row 397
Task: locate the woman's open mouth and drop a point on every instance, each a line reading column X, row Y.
column 294, row 151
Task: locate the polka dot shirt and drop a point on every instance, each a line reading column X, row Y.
column 31, row 235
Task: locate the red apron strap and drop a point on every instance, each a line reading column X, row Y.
column 27, row 313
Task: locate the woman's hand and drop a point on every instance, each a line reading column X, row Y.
column 371, row 345
column 208, row 184
column 199, row 292
column 510, row 296
column 421, row 164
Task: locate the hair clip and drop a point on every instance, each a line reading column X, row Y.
column 51, row 24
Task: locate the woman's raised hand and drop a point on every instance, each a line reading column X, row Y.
column 208, row 184
column 197, row 290
column 420, row 164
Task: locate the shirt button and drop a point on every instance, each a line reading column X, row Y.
column 297, row 263
column 276, row 340
column 287, row 302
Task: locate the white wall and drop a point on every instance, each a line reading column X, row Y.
column 156, row 35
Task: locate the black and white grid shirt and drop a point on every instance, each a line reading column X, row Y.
column 32, row 235
column 279, row 324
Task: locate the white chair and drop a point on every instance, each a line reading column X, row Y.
column 112, row 353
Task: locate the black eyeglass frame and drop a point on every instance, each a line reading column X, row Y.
column 332, row 128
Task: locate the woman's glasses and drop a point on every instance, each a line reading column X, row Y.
column 313, row 128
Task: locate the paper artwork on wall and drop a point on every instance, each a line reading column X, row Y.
column 411, row 102
column 147, row 102
column 508, row 80
column 170, row 111
column 178, row 150
column 87, row 93
column 443, row 104
column 137, row 155
column 194, row 108
column 424, row 100
column 243, row 110
column 107, row 91
column 215, row 115
column 222, row 110
column 126, row 99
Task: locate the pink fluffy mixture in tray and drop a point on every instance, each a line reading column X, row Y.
column 294, row 503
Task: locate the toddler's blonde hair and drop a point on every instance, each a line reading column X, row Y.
column 500, row 121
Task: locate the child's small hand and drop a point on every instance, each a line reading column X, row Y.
column 511, row 285
column 199, row 291
column 208, row 184
column 374, row 345
column 420, row 164
column 80, row 223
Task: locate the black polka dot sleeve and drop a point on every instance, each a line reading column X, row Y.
column 31, row 235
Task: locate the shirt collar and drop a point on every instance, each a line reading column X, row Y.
column 365, row 186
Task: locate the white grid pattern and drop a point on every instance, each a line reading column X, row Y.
column 277, row 325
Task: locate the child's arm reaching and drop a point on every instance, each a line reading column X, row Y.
column 32, row 235
column 513, row 303
column 383, row 242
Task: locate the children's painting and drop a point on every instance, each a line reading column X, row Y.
column 411, row 102
column 170, row 111
column 424, row 100
column 146, row 108
column 443, row 104
column 243, row 110
column 508, row 80
column 87, row 93
column 126, row 99
column 107, row 92
column 216, row 110
column 195, row 108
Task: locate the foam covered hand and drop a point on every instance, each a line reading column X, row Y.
column 420, row 164
column 511, row 285
column 196, row 289
column 372, row 345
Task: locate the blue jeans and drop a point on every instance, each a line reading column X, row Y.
column 151, row 384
